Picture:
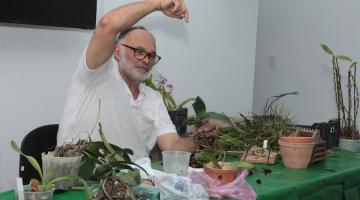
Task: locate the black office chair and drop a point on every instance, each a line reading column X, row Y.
column 39, row 140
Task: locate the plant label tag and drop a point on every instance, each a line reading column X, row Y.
column 20, row 188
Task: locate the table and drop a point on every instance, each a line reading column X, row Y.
column 336, row 178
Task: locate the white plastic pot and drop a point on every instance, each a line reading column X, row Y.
column 54, row 167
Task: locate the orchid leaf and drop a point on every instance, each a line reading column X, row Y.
column 132, row 177
column 207, row 156
column 87, row 166
column 327, row 49
column 31, row 159
column 193, row 121
column 182, row 104
column 107, row 144
column 353, row 65
column 199, row 106
column 103, row 170
column 127, row 163
column 342, row 57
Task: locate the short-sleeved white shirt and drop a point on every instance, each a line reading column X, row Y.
column 126, row 122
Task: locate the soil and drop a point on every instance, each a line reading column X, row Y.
column 115, row 189
column 195, row 163
column 346, row 134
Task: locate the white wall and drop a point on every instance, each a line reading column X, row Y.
column 292, row 30
column 213, row 56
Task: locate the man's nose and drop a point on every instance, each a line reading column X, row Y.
column 146, row 60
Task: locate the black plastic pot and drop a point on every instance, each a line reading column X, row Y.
column 330, row 132
column 178, row 118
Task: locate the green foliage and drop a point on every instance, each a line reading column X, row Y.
column 31, row 159
column 106, row 161
column 214, row 147
column 169, row 101
column 327, row 49
column 346, row 111
column 207, row 156
column 342, row 57
column 270, row 109
column 48, row 184
column 201, row 114
column 132, row 177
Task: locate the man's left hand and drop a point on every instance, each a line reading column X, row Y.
column 209, row 126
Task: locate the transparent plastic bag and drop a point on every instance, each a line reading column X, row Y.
column 237, row 189
column 174, row 187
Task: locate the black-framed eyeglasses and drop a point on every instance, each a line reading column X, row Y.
column 141, row 54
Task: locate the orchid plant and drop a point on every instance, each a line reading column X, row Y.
column 45, row 185
column 165, row 88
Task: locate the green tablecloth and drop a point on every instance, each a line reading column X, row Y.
column 73, row 195
column 336, row 178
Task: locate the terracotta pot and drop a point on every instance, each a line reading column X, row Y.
column 296, row 155
column 297, row 139
column 221, row 176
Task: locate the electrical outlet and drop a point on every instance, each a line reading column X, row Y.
column 273, row 62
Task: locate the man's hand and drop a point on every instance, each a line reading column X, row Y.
column 209, row 126
column 172, row 8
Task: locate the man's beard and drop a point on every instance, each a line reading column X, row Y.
column 128, row 69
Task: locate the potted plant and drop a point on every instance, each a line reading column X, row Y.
column 262, row 130
column 274, row 125
column 177, row 112
column 213, row 149
column 65, row 160
column 43, row 189
column 112, row 167
column 346, row 111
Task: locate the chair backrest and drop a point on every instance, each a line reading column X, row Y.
column 39, row 140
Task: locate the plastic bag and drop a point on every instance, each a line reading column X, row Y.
column 237, row 189
column 174, row 187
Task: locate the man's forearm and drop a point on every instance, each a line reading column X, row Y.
column 184, row 144
column 126, row 16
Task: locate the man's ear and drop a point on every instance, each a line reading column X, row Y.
column 117, row 52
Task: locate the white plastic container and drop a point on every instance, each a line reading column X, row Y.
column 28, row 195
column 61, row 166
column 176, row 162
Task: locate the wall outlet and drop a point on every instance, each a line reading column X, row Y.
column 273, row 62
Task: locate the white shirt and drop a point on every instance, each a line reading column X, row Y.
column 126, row 122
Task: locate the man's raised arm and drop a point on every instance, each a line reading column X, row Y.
column 103, row 40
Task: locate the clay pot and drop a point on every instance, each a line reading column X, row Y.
column 221, row 176
column 297, row 139
column 296, row 155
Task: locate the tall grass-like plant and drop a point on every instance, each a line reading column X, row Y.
column 347, row 112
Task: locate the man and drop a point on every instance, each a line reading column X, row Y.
column 109, row 76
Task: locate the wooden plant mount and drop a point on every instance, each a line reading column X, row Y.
column 256, row 155
column 319, row 151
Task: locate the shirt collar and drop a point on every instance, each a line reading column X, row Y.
column 116, row 74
